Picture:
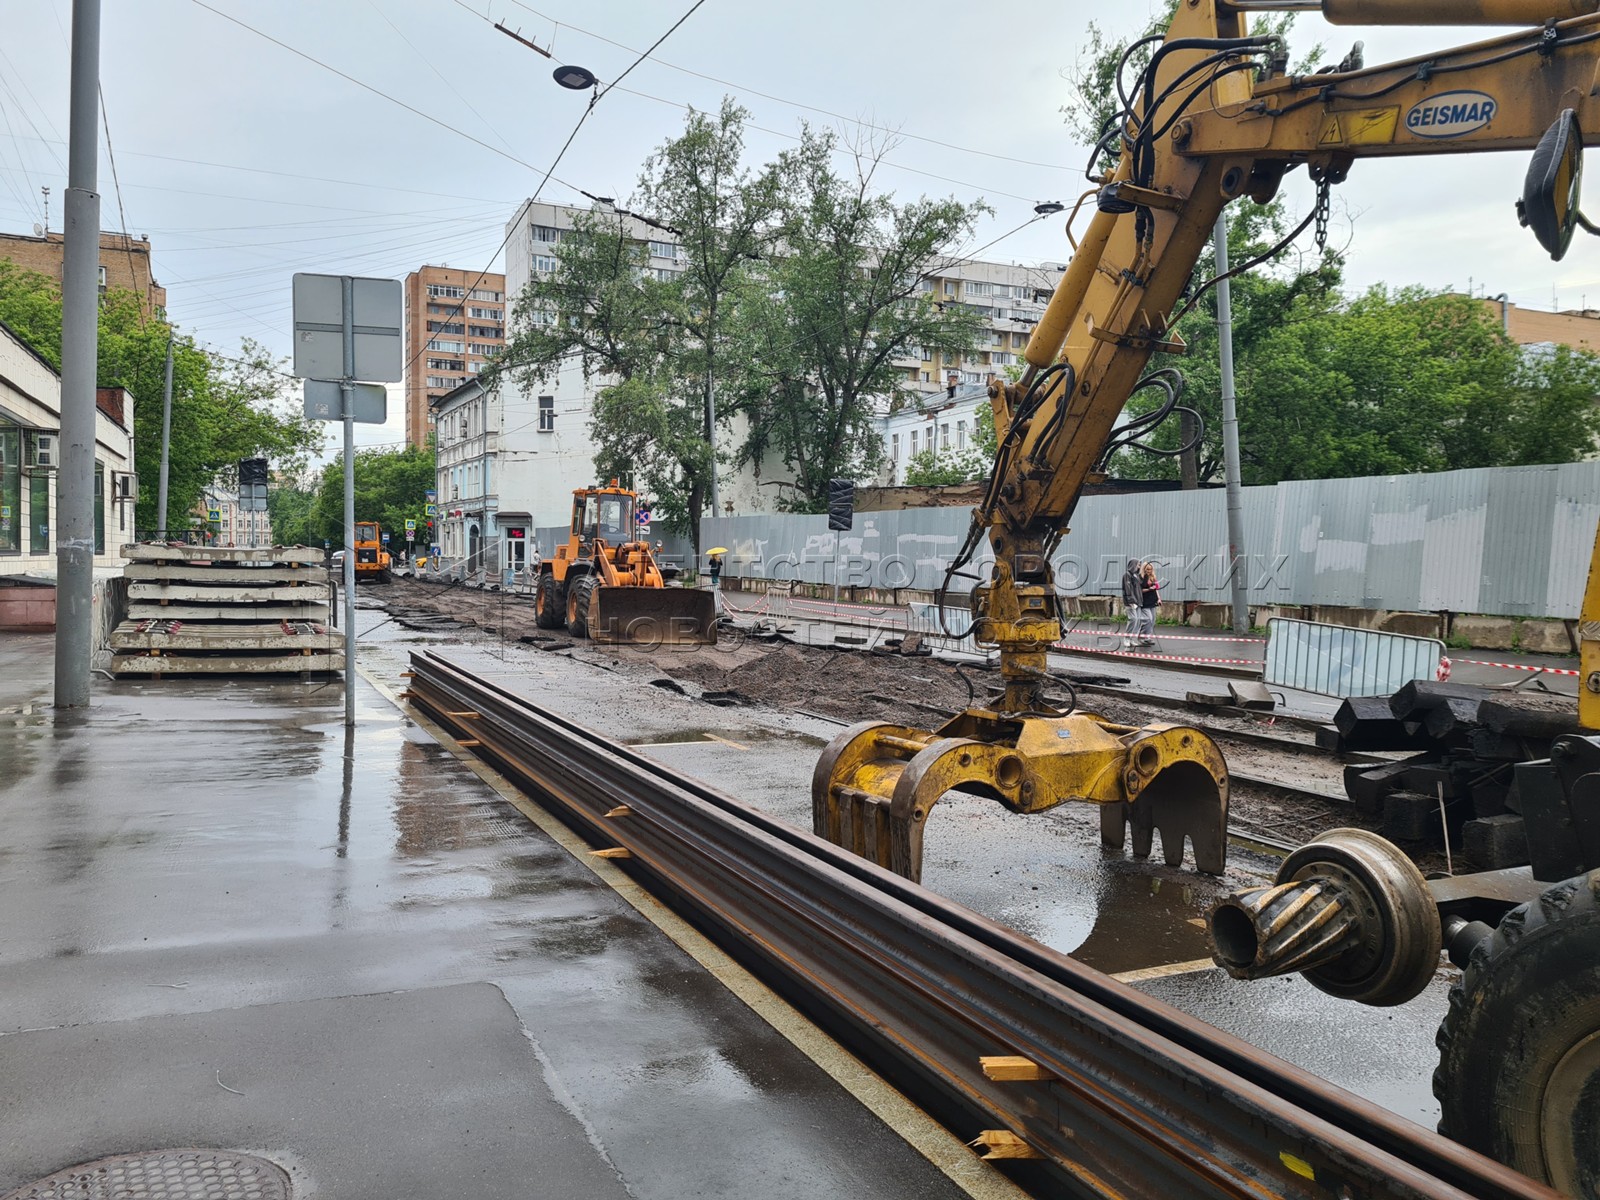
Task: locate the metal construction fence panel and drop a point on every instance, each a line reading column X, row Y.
column 1334, row 660
column 1510, row 541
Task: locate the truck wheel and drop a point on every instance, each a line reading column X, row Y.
column 1519, row 1048
column 549, row 603
column 578, row 599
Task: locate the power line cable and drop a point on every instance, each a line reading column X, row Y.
column 797, row 103
column 367, row 87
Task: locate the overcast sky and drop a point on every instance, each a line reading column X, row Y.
column 244, row 162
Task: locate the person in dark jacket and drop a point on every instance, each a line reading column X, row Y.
column 1133, row 603
column 716, row 571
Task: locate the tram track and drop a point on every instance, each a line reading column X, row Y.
column 1119, row 1095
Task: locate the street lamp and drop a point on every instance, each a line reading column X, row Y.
column 1047, row 208
column 577, row 78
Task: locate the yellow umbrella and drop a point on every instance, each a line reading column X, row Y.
column 717, row 550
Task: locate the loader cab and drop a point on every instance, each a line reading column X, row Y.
column 603, row 515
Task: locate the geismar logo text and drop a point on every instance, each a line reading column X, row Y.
column 1451, row 115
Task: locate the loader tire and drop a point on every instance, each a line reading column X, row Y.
column 1519, row 1047
column 578, row 601
column 549, row 603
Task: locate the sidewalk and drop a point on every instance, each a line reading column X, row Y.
column 226, row 926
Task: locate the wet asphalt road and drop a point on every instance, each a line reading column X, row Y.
column 1045, row 875
column 227, row 924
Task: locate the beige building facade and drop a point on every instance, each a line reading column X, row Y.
column 30, row 456
column 455, row 323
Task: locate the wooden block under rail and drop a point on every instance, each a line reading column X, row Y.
column 615, row 852
column 621, row 810
column 1002, row 1143
column 1007, row 1068
column 467, row 716
column 468, row 742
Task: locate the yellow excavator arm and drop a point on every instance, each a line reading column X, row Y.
column 1214, row 116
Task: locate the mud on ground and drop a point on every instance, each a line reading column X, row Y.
column 849, row 684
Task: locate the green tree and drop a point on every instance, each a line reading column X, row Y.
column 819, row 330
column 290, row 508
column 390, row 486
column 659, row 339
column 223, row 409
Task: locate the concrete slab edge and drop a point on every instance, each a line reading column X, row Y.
column 934, row 1142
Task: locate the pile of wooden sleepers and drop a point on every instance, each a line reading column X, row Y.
column 225, row 611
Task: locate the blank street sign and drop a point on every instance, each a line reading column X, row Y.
column 370, row 400
column 319, row 327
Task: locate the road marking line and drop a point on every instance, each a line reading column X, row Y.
column 891, row 1106
column 1192, row 967
column 726, row 741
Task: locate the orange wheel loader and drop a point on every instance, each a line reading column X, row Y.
column 603, row 583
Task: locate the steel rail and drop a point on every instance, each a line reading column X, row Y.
column 1136, row 1099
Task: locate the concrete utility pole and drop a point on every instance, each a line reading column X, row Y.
column 80, row 337
column 347, row 392
column 1239, row 564
column 166, row 438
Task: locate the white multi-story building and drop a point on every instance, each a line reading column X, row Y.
column 946, row 424
column 544, row 450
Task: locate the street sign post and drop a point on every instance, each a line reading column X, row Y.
column 325, row 402
column 347, row 328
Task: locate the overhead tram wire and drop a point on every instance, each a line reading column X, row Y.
column 584, row 116
column 782, row 100
column 122, row 214
column 367, row 87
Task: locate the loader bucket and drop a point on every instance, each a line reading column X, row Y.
column 654, row 616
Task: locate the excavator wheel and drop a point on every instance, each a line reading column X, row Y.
column 1519, row 1048
column 549, row 602
column 580, row 598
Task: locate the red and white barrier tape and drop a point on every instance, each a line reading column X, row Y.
column 1478, row 662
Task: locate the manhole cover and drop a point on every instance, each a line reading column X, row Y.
column 164, row 1175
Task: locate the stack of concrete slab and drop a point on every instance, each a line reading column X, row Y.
column 225, row 611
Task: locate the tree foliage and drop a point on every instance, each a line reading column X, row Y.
column 390, row 486
column 819, row 330
column 797, row 289
column 223, row 409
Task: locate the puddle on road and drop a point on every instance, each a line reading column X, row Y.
column 1137, row 920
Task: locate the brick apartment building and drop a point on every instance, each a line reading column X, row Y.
column 124, row 263
column 455, row 323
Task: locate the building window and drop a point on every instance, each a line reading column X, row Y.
column 446, row 327
column 944, row 436
column 926, row 285
column 664, row 250
column 486, row 294
column 663, row 274
column 961, row 435
column 99, row 508
column 481, row 348
column 979, row 289
column 446, row 364
column 446, row 345
column 10, row 488
column 484, row 314
column 544, row 233
column 913, row 443
column 442, row 381
column 483, row 331
column 541, row 316
column 927, row 377
column 547, row 414
column 447, row 290
column 894, row 447
column 544, row 264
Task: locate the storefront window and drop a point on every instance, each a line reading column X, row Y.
column 39, row 514
column 10, row 489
